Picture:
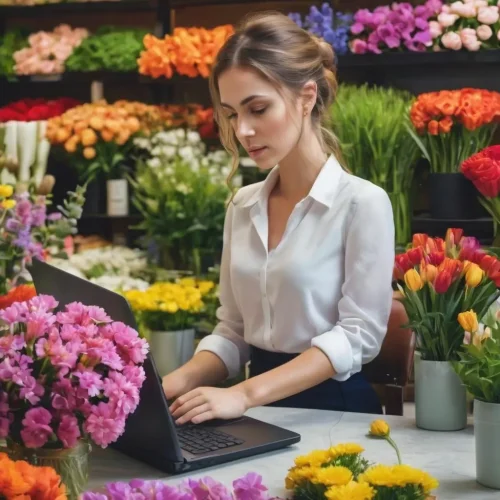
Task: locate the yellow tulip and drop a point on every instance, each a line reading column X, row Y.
column 413, row 280
column 6, row 191
column 474, row 275
column 468, row 321
column 380, row 428
column 428, row 273
column 8, row 204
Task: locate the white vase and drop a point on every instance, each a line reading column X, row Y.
column 487, row 439
column 440, row 397
column 117, row 197
column 171, row 350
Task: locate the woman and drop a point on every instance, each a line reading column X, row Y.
column 305, row 285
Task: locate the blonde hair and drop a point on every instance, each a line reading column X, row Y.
column 284, row 54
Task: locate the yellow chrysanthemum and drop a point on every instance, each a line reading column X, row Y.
column 188, row 282
column 351, row 491
column 345, row 449
column 6, row 191
column 380, row 428
column 8, row 204
column 316, row 458
column 297, row 475
column 398, row 476
column 205, row 286
column 332, row 476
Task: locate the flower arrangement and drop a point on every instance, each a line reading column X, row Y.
column 110, row 48
column 19, row 479
column 396, row 27
column 342, row 473
column 451, row 125
column 28, row 231
column 483, row 169
column 439, row 279
column 477, row 366
column 187, row 51
column 98, row 136
column 48, row 51
column 166, row 306
column 371, row 124
column 248, row 487
column 471, row 25
column 27, row 110
column 185, row 221
column 325, row 23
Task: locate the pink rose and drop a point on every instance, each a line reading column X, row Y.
column 435, row 29
column 463, row 10
column 488, row 15
column 484, row 32
column 447, row 20
column 358, row 46
column 452, row 41
column 480, row 3
column 446, row 9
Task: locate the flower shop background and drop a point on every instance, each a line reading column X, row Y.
column 150, row 151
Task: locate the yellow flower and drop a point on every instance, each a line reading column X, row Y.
column 8, row 204
column 187, row 282
column 474, row 275
column 332, row 476
column 468, row 321
column 315, row 459
column 398, row 476
column 413, row 280
column 345, row 449
column 205, row 286
column 297, row 475
column 6, row 191
column 351, row 491
column 380, row 428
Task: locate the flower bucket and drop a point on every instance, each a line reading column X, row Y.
column 171, row 350
column 117, row 197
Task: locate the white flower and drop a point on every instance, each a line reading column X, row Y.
column 193, row 137
column 154, row 162
column 225, row 171
column 169, row 171
column 120, row 283
column 143, row 143
column 169, row 151
column 181, row 133
column 183, row 188
column 186, row 153
column 247, row 162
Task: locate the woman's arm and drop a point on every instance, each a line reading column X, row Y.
column 356, row 339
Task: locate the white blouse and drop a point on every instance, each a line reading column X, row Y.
column 327, row 284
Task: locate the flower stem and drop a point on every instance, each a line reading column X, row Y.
column 393, row 444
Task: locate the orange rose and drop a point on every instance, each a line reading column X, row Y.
column 433, row 127
column 89, row 153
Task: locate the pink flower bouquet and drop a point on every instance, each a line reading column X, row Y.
column 469, row 25
column 400, row 26
column 66, row 376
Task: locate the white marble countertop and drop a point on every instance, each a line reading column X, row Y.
column 447, row 456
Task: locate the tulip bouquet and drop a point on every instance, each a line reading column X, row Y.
column 325, row 23
column 396, row 27
column 66, row 378
column 451, row 125
column 342, row 473
column 471, row 25
column 48, row 51
column 483, row 169
column 187, row 51
column 439, row 279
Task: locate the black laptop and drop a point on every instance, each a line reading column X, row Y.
column 151, row 434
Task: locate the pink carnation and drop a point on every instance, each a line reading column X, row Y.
column 36, row 431
column 103, row 425
column 68, row 431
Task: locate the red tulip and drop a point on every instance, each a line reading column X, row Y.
column 443, row 281
column 419, row 240
column 435, row 258
column 453, row 236
column 415, row 255
column 402, row 264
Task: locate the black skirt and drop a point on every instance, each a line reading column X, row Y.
column 353, row 395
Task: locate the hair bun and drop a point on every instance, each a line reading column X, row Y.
column 326, row 53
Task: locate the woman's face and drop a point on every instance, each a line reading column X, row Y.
column 266, row 124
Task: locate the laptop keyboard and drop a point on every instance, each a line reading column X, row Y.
column 197, row 440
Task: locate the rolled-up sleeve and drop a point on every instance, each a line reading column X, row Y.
column 366, row 301
column 227, row 339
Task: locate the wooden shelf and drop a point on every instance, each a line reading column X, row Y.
column 89, row 7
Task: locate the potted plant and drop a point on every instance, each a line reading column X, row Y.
column 67, row 379
column 438, row 280
column 479, row 371
column 168, row 312
column 449, row 126
column 376, row 145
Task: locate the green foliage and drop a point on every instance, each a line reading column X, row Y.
column 409, row 492
column 354, row 462
column 110, row 49
column 479, row 365
column 11, row 42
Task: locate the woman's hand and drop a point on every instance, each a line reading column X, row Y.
column 207, row 403
column 175, row 384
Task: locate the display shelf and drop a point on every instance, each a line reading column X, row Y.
column 75, row 77
column 176, row 4
column 46, row 10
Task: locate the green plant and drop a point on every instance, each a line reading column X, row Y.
column 371, row 124
column 11, row 42
column 479, row 364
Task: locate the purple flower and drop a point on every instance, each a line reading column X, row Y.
column 54, row 216
column 357, row 28
column 363, row 16
column 120, row 491
column 387, row 34
column 68, row 431
column 94, row 496
column 31, row 390
column 250, row 487
column 36, row 431
column 12, row 225
column 296, row 18
column 208, row 488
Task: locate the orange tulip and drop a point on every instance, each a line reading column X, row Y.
column 443, row 281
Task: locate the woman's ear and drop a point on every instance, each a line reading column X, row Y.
column 309, row 95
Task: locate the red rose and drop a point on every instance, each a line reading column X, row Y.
column 483, row 169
